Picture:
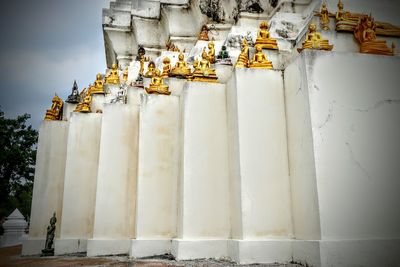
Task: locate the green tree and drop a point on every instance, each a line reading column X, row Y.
column 17, row 164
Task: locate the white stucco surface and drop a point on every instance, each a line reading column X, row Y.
column 80, row 182
column 48, row 182
column 116, row 180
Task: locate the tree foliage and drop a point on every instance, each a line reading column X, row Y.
column 17, row 164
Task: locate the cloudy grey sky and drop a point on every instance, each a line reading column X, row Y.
column 45, row 45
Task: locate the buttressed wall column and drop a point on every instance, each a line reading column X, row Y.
column 261, row 203
column 49, row 183
column 116, row 181
column 158, row 170
column 80, row 183
column 204, row 225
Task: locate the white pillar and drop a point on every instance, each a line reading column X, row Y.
column 158, row 170
column 261, row 205
column 116, row 181
column 49, row 183
column 204, row 225
column 80, row 183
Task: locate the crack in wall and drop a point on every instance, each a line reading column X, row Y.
column 356, row 162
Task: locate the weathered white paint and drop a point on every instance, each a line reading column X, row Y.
column 80, row 183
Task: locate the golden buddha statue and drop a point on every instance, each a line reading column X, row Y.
column 150, row 69
column 113, row 76
column 84, row 106
column 125, row 74
column 366, row 36
column 55, row 112
column 264, row 39
column 346, row 21
column 260, row 60
column 204, row 33
column 166, row 67
column 157, row 85
column 98, row 87
column 324, row 15
column 171, row 46
column 181, row 69
column 243, row 59
column 211, row 52
column 314, row 40
column 203, row 71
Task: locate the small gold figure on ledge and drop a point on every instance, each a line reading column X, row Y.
column 314, row 40
column 346, row 21
column 171, row 47
column 55, row 112
column 98, row 87
column 125, row 75
column 260, row 60
column 166, row 67
column 150, row 69
column 365, row 35
column 181, row 69
column 157, row 85
column 243, row 59
column 211, row 52
column 113, row 76
column 203, row 71
column 324, row 15
column 84, row 106
column 264, row 39
column 204, row 33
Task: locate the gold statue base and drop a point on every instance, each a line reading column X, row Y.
column 376, row 48
column 180, row 75
column 325, row 46
column 203, row 78
column 50, row 115
column 95, row 91
column 271, row 44
column 82, row 107
column 264, row 65
column 162, row 90
column 112, row 81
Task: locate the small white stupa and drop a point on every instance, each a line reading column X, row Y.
column 14, row 229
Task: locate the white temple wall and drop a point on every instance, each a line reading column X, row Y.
column 48, row 183
column 344, row 111
column 158, row 170
column 114, row 218
column 261, row 201
column 204, row 215
column 79, row 198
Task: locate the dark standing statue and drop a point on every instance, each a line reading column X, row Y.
column 51, row 230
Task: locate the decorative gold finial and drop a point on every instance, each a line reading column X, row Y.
column 243, row 59
column 260, row 60
column 55, row 112
column 203, row 71
column 264, row 39
column 113, row 76
column 314, row 40
column 366, row 36
column 157, row 85
column 204, row 33
column 181, row 69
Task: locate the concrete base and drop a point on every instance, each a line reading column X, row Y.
column 69, row 246
column 260, row 251
column 199, row 249
column 149, row 247
column 32, row 246
column 104, row 247
column 366, row 253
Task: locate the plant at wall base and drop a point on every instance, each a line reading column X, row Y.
column 17, row 162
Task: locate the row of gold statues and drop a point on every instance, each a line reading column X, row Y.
column 364, row 28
